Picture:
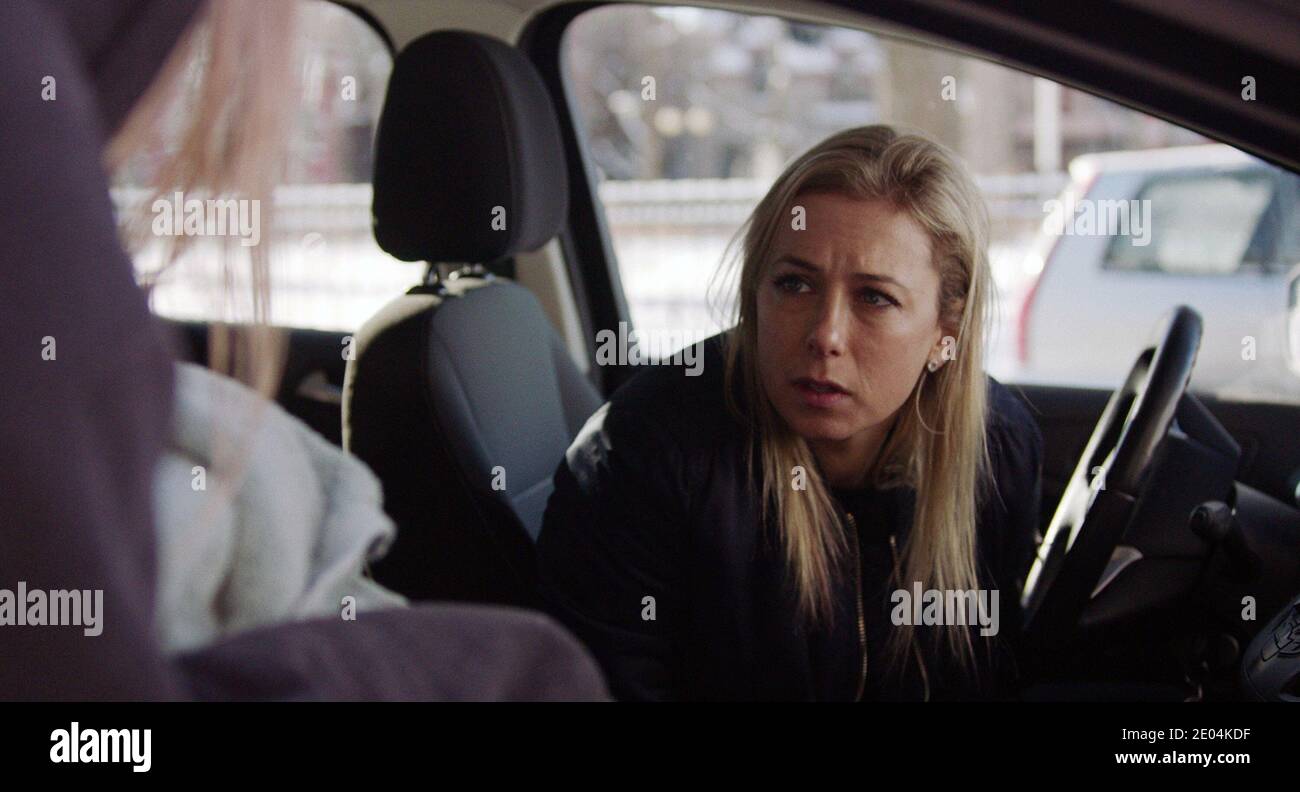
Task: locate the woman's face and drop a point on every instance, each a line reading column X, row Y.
column 847, row 319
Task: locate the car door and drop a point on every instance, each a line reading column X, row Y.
column 311, row 382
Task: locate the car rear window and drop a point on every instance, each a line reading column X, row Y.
column 1206, row 223
column 327, row 272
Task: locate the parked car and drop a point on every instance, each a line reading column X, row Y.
column 1136, row 233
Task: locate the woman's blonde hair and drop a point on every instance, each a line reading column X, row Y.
column 215, row 119
column 217, row 110
column 937, row 444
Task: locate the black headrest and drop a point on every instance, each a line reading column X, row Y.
column 467, row 127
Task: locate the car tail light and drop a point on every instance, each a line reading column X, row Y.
column 1293, row 321
column 1022, row 320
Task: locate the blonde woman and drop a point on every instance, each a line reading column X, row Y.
column 780, row 527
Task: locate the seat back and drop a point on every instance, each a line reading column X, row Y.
column 460, row 394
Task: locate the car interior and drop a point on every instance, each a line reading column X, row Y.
column 1170, row 562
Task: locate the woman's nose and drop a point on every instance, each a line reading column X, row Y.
column 828, row 335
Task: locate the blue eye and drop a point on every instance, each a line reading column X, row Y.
column 877, row 299
column 791, row 284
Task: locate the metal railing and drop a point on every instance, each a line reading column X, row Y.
column 328, row 273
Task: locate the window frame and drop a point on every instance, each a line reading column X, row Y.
column 968, row 28
column 371, row 20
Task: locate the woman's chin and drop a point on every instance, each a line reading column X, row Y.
column 820, row 428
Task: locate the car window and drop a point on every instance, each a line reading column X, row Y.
column 1209, row 223
column 687, row 115
column 327, row 272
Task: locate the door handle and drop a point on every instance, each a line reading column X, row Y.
column 317, row 388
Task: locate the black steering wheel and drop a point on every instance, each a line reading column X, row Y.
column 1101, row 494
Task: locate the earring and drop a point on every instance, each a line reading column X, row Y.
column 932, row 366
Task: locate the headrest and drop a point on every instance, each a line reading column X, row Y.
column 469, row 166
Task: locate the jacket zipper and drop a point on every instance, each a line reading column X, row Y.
column 862, row 624
column 898, row 581
column 862, row 618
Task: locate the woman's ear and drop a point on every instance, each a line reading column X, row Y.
column 943, row 350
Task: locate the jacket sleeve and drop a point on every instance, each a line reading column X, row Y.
column 609, row 559
column 1021, row 473
column 86, row 388
column 1016, row 448
column 430, row 652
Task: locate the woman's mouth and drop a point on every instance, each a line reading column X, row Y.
column 820, row 393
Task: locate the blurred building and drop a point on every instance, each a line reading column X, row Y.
column 739, row 96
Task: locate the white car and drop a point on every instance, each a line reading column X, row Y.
column 1136, row 233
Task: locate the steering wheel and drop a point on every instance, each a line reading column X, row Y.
column 1102, row 492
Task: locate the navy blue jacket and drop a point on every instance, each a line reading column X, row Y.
column 652, row 551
